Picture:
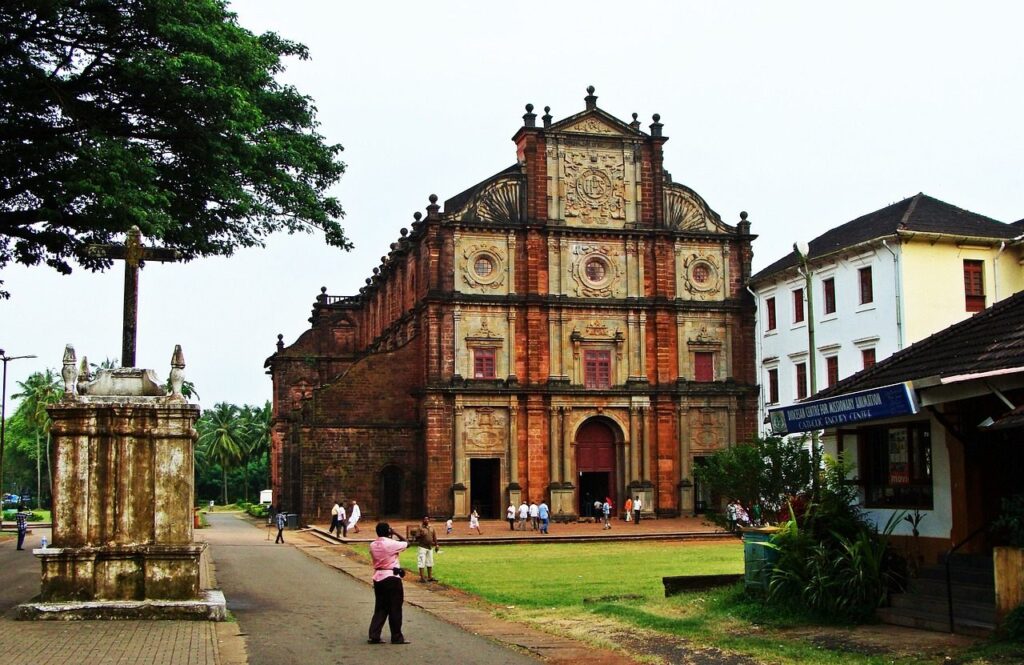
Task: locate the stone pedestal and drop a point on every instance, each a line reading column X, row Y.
column 515, row 495
column 686, row 498
column 644, row 490
column 563, row 505
column 123, row 498
column 460, row 501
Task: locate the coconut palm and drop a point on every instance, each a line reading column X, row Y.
column 38, row 390
column 256, row 424
column 222, row 438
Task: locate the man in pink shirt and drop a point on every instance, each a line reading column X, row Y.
column 387, row 584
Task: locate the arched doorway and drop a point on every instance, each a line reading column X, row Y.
column 390, row 491
column 595, row 463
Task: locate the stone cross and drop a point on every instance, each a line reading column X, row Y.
column 133, row 254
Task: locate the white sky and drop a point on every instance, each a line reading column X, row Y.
column 805, row 114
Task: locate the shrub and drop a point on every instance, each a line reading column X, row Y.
column 1010, row 524
column 257, row 510
column 9, row 515
column 1013, row 624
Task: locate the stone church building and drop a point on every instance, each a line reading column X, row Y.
column 573, row 327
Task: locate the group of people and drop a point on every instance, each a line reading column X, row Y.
column 342, row 520
column 607, row 507
column 538, row 516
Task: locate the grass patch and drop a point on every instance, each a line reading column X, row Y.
column 611, row 593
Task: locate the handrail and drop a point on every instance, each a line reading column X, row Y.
column 949, row 576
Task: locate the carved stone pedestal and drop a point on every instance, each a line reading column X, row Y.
column 563, row 505
column 515, row 495
column 123, row 500
column 685, row 498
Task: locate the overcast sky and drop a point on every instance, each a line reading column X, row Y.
column 804, row 114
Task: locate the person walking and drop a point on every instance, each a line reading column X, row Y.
column 524, row 512
column 426, row 539
column 534, row 516
column 544, row 514
column 21, row 518
column 628, row 507
column 606, row 513
column 388, row 593
column 474, row 522
column 334, row 519
column 638, row 505
column 354, row 515
column 342, row 520
column 281, row 521
column 510, row 515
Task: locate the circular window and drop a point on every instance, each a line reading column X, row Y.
column 596, row 270
column 701, row 273
column 483, row 266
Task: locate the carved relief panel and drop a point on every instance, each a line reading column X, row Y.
column 486, row 430
column 701, row 273
column 709, row 429
column 596, row 270
column 481, row 264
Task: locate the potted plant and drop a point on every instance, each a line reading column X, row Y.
column 1008, row 558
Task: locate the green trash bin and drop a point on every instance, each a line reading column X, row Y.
column 758, row 559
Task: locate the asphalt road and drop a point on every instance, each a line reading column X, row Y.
column 295, row 610
column 20, row 570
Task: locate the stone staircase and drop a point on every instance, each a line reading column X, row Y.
column 924, row 603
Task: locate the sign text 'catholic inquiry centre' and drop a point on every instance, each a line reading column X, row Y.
column 875, row 404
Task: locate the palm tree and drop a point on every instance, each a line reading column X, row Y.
column 257, row 436
column 38, row 390
column 222, row 438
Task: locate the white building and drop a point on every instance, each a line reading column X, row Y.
column 877, row 284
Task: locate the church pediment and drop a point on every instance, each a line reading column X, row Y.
column 595, row 122
column 685, row 210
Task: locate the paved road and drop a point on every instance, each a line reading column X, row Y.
column 294, row 609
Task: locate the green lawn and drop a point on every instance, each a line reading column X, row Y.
column 611, row 594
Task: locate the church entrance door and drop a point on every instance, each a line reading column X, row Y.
column 595, row 462
column 485, row 487
column 390, row 491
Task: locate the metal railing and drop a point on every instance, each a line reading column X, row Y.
column 949, row 575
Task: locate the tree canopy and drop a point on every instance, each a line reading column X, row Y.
column 164, row 114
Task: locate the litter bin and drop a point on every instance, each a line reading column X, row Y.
column 758, row 559
column 293, row 520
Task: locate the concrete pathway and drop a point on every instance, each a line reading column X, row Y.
column 293, row 609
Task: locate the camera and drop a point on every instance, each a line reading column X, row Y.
column 399, row 571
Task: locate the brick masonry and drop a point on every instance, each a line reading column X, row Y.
column 377, row 400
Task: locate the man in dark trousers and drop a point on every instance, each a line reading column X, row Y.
column 21, row 517
column 387, row 584
column 281, row 520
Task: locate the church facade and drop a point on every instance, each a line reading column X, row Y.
column 574, row 327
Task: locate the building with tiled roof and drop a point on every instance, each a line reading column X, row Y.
column 876, row 284
column 936, row 431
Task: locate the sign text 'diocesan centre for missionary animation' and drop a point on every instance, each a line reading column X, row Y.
column 875, row 404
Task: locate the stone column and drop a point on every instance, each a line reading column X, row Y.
column 456, row 347
column 554, row 474
column 642, row 323
column 510, row 247
column 567, row 446
column 685, row 461
column 460, row 496
column 511, row 344
column 645, row 424
column 634, row 439
column 514, row 489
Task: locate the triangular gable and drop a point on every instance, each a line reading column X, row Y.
column 595, row 121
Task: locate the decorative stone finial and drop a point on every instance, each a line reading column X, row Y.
column 393, row 246
column 84, row 375
column 404, row 231
column 369, row 281
column 656, row 125
column 376, row 271
column 636, row 122
column 547, row 116
column 529, row 118
column 743, row 215
column 280, row 342
column 177, row 371
column 417, row 216
column 70, row 372
column 591, row 89
column 591, row 98
column 433, row 209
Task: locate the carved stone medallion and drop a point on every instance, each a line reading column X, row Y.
column 702, row 275
column 594, row 186
column 596, row 271
column 482, row 266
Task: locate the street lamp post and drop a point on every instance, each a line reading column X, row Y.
column 3, row 422
column 802, row 250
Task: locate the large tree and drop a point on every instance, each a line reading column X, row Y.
column 163, row 114
column 36, row 392
column 222, row 439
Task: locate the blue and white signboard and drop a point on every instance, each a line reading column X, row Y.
column 875, row 404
